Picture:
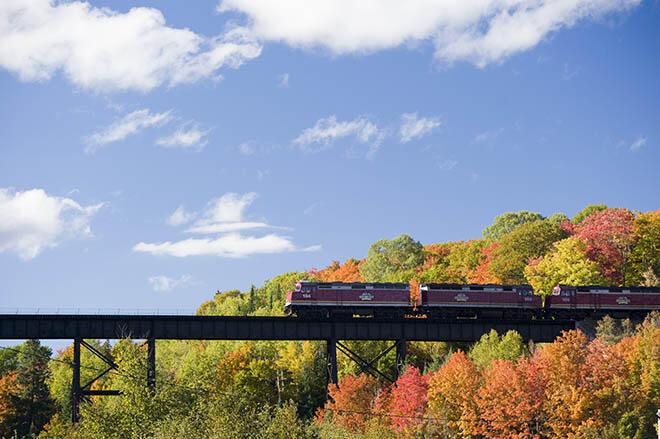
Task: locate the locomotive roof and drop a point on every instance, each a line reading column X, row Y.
column 611, row 288
column 359, row 285
column 455, row 286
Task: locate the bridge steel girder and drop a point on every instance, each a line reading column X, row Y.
column 80, row 327
column 56, row 326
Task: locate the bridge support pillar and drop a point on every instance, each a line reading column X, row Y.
column 76, row 393
column 401, row 352
column 151, row 360
column 331, row 361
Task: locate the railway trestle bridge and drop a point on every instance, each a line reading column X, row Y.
column 333, row 332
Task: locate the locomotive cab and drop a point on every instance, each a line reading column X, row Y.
column 563, row 301
column 304, row 293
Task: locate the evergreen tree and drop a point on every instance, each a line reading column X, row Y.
column 27, row 396
column 252, row 304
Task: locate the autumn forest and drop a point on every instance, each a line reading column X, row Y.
column 585, row 385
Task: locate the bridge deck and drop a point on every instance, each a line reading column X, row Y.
column 51, row 326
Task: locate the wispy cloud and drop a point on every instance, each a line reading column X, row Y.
column 32, row 221
column 414, row 127
column 224, row 217
column 327, row 131
column 447, row 164
column 488, row 136
column 569, row 73
column 233, row 245
column 130, row 124
column 283, row 80
column 246, row 148
column 638, row 144
column 164, row 284
column 180, row 217
column 226, row 214
column 261, row 174
column 187, row 136
column 311, row 208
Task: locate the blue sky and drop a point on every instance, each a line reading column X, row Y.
column 152, row 153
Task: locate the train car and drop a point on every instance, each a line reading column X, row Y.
column 445, row 300
column 335, row 299
column 578, row 302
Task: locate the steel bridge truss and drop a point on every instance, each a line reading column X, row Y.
column 150, row 328
column 82, row 393
column 368, row 366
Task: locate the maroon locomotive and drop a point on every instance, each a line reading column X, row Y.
column 592, row 300
column 325, row 299
column 483, row 301
column 444, row 300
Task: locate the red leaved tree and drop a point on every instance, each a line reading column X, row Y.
column 409, row 400
column 609, row 236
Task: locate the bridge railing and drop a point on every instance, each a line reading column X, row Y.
column 100, row 311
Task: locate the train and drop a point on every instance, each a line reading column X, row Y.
column 324, row 300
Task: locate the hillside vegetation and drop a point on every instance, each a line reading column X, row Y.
column 499, row 387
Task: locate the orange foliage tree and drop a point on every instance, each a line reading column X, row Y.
column 509, row 403
column 482, row 274
column 351, row 401
column 8, row 398
column 451, row 393
column 335, row 272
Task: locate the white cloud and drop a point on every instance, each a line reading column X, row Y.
column 164, row 283
column 223, row 218
column 488, row 136
column 222, row 215
column 283, row 80
column 412, row 127
column 447, row 165
column 311, row 208
column 184, row 137
column 104, row 50
column 569, row 73
column 481, row 32
column 130, row 124
column 228, row 208
column 227, row 227
column 246, row 148
column 32, row 220
column 233, row 245
column 637, row 144
column 326, row 131
column 180, row 216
